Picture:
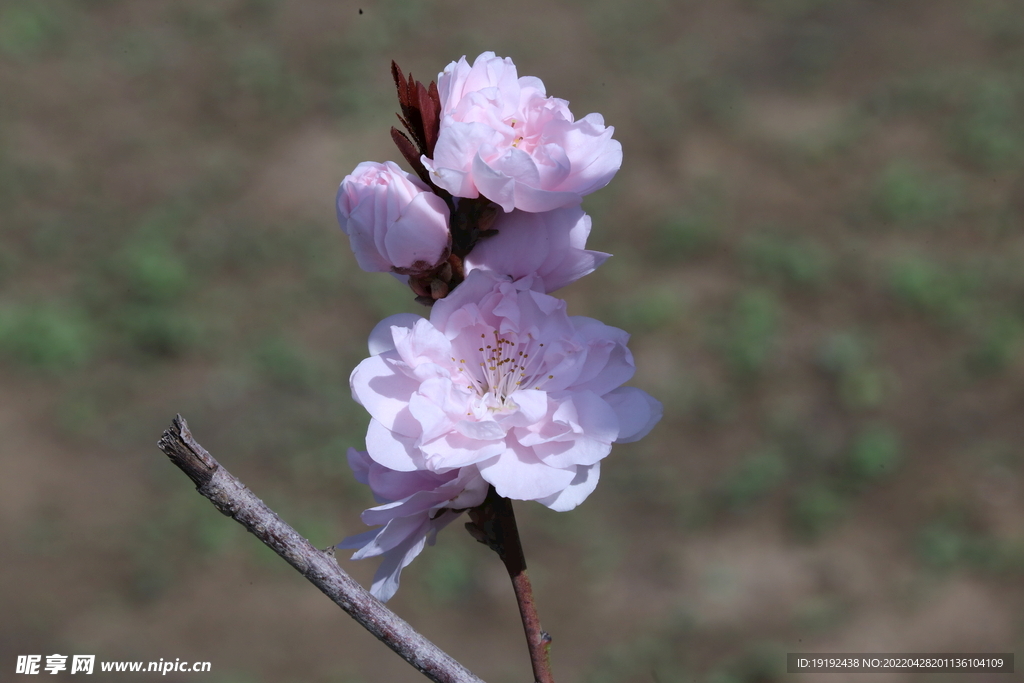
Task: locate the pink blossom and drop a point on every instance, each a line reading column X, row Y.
column 415, row 506
column 502, row 136
column 501, row 378
column 393, row 220
column 550, row 245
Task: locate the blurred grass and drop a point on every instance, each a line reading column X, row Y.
column 750, row 333
column 984, row 130
column 906, row 196
column 997, row 345
column 860, row 384
column 815, row 508
column 51, row 337
column 754, row 477
column 931, row 288
column 685, row 237
column 875, row 453
column 817, row 375
column 792, row 261
column 949, row 543
column 29, row 29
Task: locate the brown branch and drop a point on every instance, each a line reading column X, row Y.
column 494, row 524
column 232, row 498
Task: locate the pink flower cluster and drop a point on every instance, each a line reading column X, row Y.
column 499, row 387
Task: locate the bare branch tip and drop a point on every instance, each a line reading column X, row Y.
column 180, row 426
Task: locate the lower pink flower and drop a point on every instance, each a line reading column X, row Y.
column 501, row 378
column 415, row 506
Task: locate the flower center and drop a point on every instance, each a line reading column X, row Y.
column 504, row 365
column 517, row 139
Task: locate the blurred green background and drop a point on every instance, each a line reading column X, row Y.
column 819, row 251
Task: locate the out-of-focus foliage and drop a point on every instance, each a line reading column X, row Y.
column 817, row 249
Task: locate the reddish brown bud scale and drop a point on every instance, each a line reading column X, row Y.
column 409, row 151
column 421, row 110
column 438, row 289
column 430, row 110
column 419, row 287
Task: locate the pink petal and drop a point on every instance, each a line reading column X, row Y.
column 420, row 344
column 608, row 365
column 581, row 450
column 523, row 241
column 360, row 462
column 390, row 485
column 386, row 579
column 535, row 199
column 637, row 412
column 385, row 393
column 464, row 298
column 532, row 404
column 519, row 474
column 587, row 413
column 482, row 430
column 458, row 450
column 582, row 485
column 392, row 450
column 429, row 411
column 549, row 244
column 420, row 235
column 381, row 337
column 414, row 504
column 596, row 157
column 577, row 263
column 494, row 184
column 396, row 532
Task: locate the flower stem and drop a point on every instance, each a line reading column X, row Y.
column 494, row 524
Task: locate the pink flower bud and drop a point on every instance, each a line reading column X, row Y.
column 501, row 136
column 393, row 221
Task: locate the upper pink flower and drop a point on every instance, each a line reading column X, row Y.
column 416, row 505
column 501, row 136
column 550, row 245
column 393, row 220
column 501, row 378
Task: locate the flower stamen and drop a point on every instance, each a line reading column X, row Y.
column 505, row 366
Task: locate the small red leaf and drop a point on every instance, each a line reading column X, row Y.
column 421, row 107
column 431, row 118
column 411, row 154
column 428, row 117
column 396, row 73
